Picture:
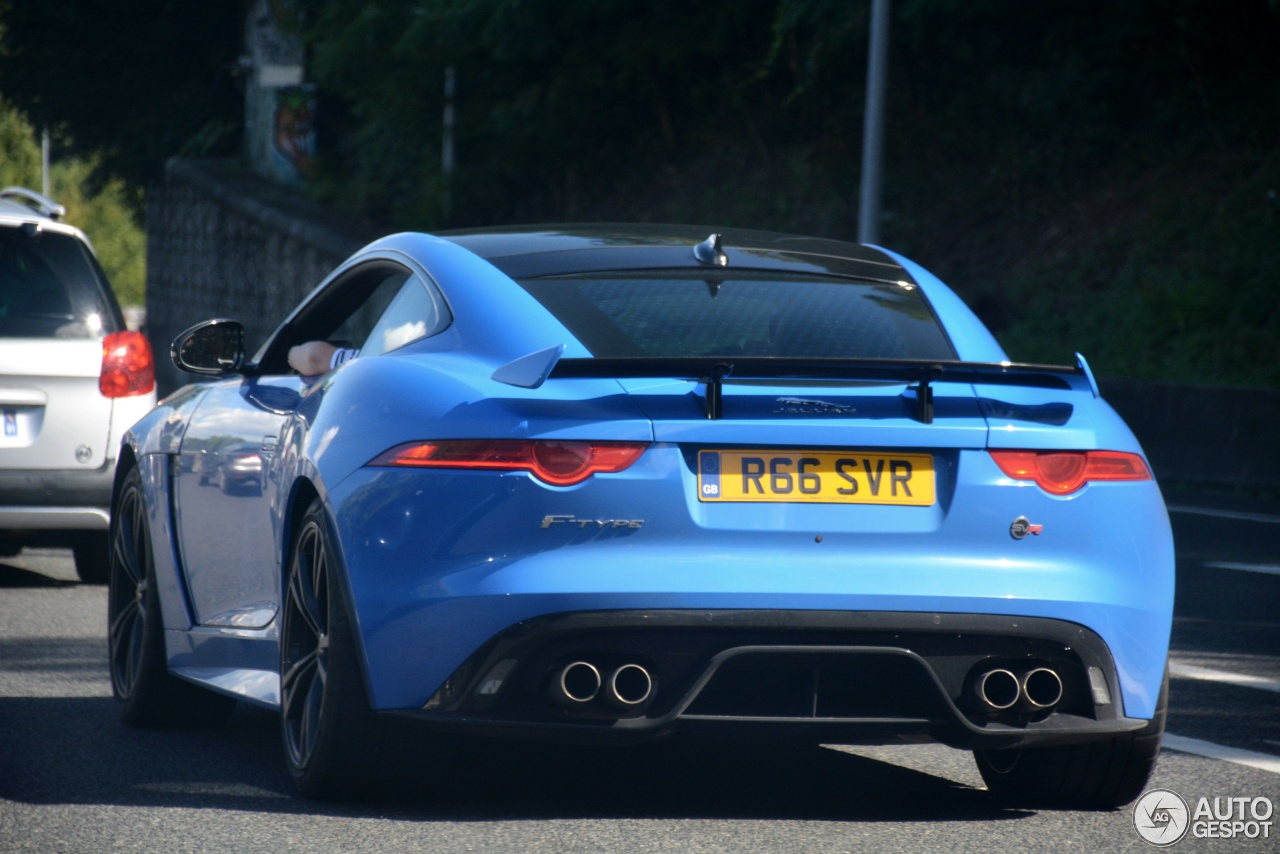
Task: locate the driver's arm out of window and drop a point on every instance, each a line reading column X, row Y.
column 317, row 357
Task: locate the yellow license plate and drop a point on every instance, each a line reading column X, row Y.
column 819, row 477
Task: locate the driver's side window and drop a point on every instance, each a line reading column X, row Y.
column 353, row 331
column 374, row 308
column 412, row 314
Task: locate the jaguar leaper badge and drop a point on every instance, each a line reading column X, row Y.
column 804, row 406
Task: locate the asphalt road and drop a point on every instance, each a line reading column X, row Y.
column 73, row 779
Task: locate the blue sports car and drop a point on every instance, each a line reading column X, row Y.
column 609, row 484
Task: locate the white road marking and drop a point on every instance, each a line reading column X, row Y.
column 1253, row 759
column 1181, row 670
column 1267, row 568
column 1224, row 514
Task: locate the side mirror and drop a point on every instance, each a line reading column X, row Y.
column 214, row 347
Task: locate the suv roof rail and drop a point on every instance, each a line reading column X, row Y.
column 43, row 205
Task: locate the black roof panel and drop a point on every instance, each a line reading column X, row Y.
column 547, row 250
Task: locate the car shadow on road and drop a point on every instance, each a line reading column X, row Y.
column 75, row 751
column 17, row 577
column 730, row 781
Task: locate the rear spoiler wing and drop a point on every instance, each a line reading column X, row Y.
column 713, row 371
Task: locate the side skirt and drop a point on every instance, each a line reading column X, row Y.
column 259, row 687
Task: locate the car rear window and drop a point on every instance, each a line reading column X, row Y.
column 51, row 287
column 741, row 314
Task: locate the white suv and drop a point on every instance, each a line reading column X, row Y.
column 72, row 381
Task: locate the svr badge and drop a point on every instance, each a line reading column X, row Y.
column 1021, row 527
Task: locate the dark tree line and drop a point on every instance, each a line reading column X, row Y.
column 1080, row 169
column 132, row 83
column 578, row 106
column 572, row 105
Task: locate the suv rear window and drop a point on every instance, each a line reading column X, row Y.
column 52, row 287
column 740, row 314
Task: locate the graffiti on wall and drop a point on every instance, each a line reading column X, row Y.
column 280, row 107
column 293, row 129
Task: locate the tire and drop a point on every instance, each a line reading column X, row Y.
column 333, row 740
column 146, row 694
column 1094, row 775
column 93, row 559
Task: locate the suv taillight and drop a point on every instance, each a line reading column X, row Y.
column 128, row 368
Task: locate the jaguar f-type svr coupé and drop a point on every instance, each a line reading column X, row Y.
column 610, row 484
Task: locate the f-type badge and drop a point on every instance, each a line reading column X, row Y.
column 599, row 524
column 1021, row 527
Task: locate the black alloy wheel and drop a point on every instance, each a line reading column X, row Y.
column 146, row 694
column 332, row 739
column 127, row 591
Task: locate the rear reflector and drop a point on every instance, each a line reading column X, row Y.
column 128, row 368
column 1064, row 472
column 558, row 462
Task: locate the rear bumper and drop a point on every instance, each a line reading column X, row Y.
column 848, row 677
column 56, row 500
column 440, row 564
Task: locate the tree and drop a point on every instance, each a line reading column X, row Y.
column 561, row 104
column 126, row 83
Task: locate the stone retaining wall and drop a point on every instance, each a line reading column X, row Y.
column 222, row 243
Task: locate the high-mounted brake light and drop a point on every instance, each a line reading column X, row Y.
column 557, row 462
column 128, row 368
column 1064, row 472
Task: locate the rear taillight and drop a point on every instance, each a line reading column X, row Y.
column 1063, row 472
column 128, row 368
column 558, row 462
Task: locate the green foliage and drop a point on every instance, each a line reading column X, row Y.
column 1110, row 184
column 102, row 210
column 568, row 106
column 1090, row 175
column 19, row 153
column 1194, row 297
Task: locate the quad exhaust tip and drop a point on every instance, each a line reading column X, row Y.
column 627, row 687
column 576, row 684
column 1039, row 689
column 997, row 690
